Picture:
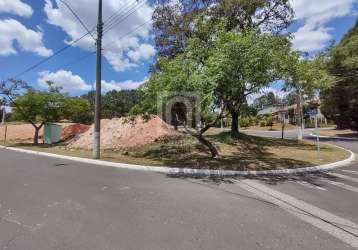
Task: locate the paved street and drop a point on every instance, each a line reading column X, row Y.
column 47, row 203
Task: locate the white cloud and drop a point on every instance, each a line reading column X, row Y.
column 74, row 83
column 128, row 84
column 122, row 53
column 65, row 79
column 27, row 39
column 16, row 7
column 314, row 34
column 144, row 51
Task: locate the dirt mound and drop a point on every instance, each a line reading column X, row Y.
column 121, row 133
column 73, row 130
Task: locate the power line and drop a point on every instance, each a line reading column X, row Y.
column 121, row 18
column 127, row 13
column 129, row 33
column 50, row 57
column 119, row 12
column 78, row 18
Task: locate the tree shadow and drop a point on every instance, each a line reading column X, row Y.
column 269, row 179
column 241, row 154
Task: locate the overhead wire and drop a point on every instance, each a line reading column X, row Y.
column 114, row 20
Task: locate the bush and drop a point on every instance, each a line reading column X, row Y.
column 269, row 121
column 244, row 122
column 254, row 121
column 263, row 123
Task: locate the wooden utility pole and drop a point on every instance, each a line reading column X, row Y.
column 97, row 110
column 3, row 115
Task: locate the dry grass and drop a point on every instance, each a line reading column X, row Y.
column 244, row 153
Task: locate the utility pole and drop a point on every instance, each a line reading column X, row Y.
column 97, row 110
column 3, row 115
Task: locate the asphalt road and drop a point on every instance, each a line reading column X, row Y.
column 47, row 203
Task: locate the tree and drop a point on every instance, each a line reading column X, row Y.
column 175, row 22
column 114, row 104
column 119, row 103
column 236, row 66
column 306, row 78
column 40, row 107
column 242, row 64
column 266, row 100
column 340, row 101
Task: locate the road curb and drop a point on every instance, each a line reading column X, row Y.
column 334, row 137
column 189, row 171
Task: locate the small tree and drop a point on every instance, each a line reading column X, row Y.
column 306, row 78
column 40, row 107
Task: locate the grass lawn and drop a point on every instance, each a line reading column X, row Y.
column 275, row 127
column 245, row 153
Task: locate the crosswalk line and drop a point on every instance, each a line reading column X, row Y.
column 309, row 185
column 344, row 177
column 341, row 228
column 341, row 185
column 349, row 171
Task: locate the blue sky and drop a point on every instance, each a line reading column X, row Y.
column 34, row 29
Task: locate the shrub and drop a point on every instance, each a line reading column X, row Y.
column 244, row 122
column 269, row 121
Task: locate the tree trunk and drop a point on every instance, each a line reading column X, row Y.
column 36, row 136
column 213, row 150
column 234, row 123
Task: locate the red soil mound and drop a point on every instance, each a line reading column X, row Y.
column 73, row 130
column 121, row 133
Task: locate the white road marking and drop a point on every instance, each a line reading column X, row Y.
column 344, row 177
column 350, row 171
column 342, row 229
column 309, row 185
column 342, row 185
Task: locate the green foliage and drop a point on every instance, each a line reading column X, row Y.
column 269, row 120
column 266, row 100
column 175, row 23
column 307, row 77
column 235, row 66
column 119, row 103
column 114, row 104
column 244, row 122
column 340, row 102
column 262, row 123
column 42, row 106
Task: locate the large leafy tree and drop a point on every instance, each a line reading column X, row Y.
column 340, row 102
column 40, row 107
column 235, row 66
column 243, row 64
column 175, row 22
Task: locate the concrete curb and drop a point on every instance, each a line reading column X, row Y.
column 334, row 137
column 189, row 171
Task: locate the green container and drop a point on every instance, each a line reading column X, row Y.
column 52, row 133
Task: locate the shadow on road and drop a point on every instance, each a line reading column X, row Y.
column 311, row 178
